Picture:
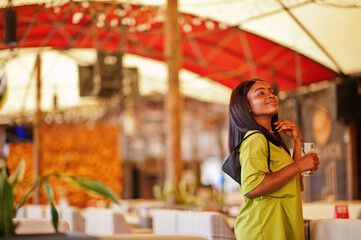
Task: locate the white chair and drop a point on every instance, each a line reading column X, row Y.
column 209, row 225
column 73, row 216
column 164, row 221
column 38, row 226
column 335, row 229
column 104, row 222
column 70, row 214
column 150, row 237
column 34, row 211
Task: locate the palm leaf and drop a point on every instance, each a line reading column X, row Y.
column 18, row 175
column 54, row 212
column 29, row 190
column 92, row 186
column 7, row 226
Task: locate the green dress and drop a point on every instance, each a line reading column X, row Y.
column 277, row 215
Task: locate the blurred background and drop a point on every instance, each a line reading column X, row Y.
column 85, row 87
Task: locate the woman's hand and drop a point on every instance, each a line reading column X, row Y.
column 308, row 162
column 289, row 128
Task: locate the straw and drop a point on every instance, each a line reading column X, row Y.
column 303, row 150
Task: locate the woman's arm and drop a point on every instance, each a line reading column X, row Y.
column 297, row 149
column 274, row 181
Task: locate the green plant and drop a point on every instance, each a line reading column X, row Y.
column 8, row 187
column 184, row 192
column 187, row 193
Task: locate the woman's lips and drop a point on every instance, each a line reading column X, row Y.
column 272, row 102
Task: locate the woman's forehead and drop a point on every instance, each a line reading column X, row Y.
column 259, row 84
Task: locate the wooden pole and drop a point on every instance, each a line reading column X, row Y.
column 36, row 131
column 173, row 103
column 351, row 162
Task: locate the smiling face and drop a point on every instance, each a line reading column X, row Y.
column 262, row 102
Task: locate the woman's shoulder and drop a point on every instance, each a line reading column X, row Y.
column 254, row 141
column 254, row 138
column 252, row 135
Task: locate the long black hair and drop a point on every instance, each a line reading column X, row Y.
column 241, row 120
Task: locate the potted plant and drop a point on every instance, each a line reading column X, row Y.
column 8, row 188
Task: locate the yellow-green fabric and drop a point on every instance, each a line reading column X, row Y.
column 277, row 215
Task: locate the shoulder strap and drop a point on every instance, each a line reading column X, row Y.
column 236, row 148
column 269, row 153
column 269, row 156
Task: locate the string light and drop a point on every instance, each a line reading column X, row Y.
column 223, row 26
column 77, row 17
column 187, row 28
column 137, row 19
column 196, row 21
column 210, row 25
column 114, row 22
column 85, row 4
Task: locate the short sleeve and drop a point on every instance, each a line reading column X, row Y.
column 253, row 159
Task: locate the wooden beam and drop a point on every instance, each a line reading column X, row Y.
column 37, row 131
column 173, row 103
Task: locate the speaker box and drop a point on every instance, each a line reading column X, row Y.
column 86, row 80
column 10, row 26
column 110, row 66
column 345, row 99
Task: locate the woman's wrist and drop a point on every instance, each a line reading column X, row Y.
column 297, row 166
column 297, row 140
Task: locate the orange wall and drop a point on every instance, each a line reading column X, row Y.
column 80, row 150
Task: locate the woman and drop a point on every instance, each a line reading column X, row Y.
column 273, row 207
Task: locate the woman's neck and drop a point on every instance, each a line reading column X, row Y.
column 264, row 122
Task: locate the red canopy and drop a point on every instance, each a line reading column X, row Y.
column 211, row 49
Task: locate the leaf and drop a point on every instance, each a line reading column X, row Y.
column 29, row 190
column 92, row 186
column 54, row 212
column 157, row 192
column 18, row 175
column 7, row 226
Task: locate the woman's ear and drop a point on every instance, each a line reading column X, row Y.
column 249, row 108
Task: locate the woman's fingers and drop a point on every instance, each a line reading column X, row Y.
column 287, row 127
column 283, row 124
column 315, row 159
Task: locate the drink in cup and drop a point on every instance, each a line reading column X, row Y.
column 307, row 148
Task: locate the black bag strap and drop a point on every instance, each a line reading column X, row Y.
column 268, row 157
column 232, row 166
column 269, row 153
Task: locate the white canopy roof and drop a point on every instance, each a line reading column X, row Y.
column 324, row 30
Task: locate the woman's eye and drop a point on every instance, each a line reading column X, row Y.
column 259, row 94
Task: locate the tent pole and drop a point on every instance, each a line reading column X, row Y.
column 306, row 181
column 36, row 130
column 299, row 94
column 173, row 103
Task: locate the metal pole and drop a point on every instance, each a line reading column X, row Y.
column 299, row 94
